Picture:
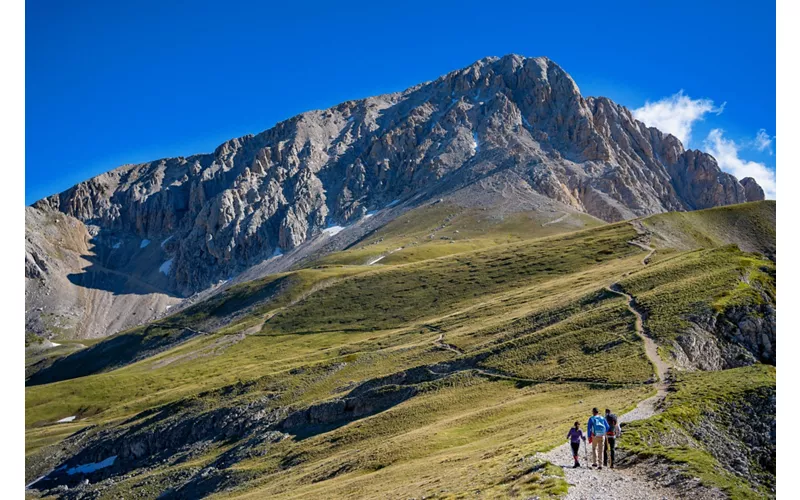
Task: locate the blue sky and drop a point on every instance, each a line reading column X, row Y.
column 109, row 83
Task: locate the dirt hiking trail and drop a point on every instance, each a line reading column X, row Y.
column 587, row 483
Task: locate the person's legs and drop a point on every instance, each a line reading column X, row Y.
column 575, row 448
column 612, row 446
column 598, row 442
column 605, row 454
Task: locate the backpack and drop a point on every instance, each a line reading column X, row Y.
column 611, row 419
column 598, row 425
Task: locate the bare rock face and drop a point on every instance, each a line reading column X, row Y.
column 502, row 120
column 80, row 283
column 752, row 190
column 738, row 336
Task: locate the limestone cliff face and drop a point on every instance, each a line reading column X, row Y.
column 473, row 129
column 738, row 336
column 80, row 284
column 752, row 190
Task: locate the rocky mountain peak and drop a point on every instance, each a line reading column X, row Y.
column 501, row 120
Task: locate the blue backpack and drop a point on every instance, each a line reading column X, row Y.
column 598, row 425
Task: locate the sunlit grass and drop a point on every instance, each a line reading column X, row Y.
column 529, row 305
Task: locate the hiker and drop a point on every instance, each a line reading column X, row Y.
column 575, row 435
column 597, row 428
column 612, row 434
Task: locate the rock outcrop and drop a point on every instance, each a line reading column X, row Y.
column 79, row 284
column 752, row 190
column 738, row 336
column 737, row 433
column 498, row 122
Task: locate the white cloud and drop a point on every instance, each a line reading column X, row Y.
column 763, row 141
column 726, row 152
column 676, row 114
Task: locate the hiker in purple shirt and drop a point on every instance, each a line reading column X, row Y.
column 575, row 436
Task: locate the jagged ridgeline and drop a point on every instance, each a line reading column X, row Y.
column 499, row 138
column 436, row 356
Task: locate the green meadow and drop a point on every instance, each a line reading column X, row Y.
column 508, row 320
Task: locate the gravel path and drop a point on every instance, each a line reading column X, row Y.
column 444, row 345
column 650, row 347
column 627, row 483
column 587, row 483
column 642, row 240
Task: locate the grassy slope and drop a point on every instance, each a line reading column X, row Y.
column 442, row 229
column 670, row 435
column 698, row 282
column 533, row 310
column 750, row 226
column 465, row 438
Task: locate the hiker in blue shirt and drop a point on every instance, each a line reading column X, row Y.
column 596, row 429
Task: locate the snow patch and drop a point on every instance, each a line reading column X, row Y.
column 88, row 468
column 526, row 122
column 116, row 245
column 556, row 221
column 165, row 241
column 381, row 257
column 278, row 252
column 54, row 344
column 144, row 243
column 393, row 203
column 370, row 213
column 475, row 146
column 333, row 229
column 65, row 419
column 35, row 481
column 166, row 267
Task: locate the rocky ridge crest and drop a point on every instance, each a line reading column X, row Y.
column 498, row 122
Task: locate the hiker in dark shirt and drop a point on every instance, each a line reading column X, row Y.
column 611, row 438
column 575, row 435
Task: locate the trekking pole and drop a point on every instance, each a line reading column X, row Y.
column 585, row 452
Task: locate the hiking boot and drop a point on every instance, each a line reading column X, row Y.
column 594, row 465
column 576, row 465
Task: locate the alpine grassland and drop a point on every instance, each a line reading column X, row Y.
column 706, row 421
column 438, row 371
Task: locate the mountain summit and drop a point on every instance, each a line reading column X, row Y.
column 514, row 130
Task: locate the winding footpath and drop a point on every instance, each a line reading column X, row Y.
column 650, row 347
column 587, row 483
column 448, row 347
column 556, row 221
